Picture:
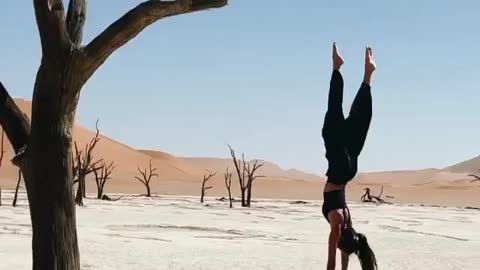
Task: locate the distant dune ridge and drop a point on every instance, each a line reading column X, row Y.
column 467, row 166
column 183, row 175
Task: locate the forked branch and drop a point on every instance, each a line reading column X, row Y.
column 477, row 178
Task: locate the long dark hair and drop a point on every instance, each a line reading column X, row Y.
column 353, row 242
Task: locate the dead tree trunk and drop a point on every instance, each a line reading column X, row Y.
column 102, row 175
column 240, row 167
column 205, row 188
column 366, row 197
column 228, row 184
column 43, row 149
column 2, row 153
column 2, row 150
column 146, row 177
column 14, row 203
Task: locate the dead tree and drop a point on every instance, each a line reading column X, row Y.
column 14, row 203
column 84, row 165
column 146, row 177
column 477, row 178
column 105, row 197
column 204, row 187
column 228, row 184
column 43, row 149
column 240, row 167
column 368, row 198
column 251, row 169
column 246, row 175
column 102, row 175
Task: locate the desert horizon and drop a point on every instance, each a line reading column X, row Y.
column 450, row 186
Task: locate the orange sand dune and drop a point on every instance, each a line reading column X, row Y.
column 183, row 176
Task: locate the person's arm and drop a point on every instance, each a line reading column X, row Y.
column 344, row 261
column 332, row 245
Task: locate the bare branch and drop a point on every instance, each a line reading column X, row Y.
column 133, row 22
column 152, row 172
column 256, row 166
column 15, row 123
column 15, row 197
column 2, row 151
column 142, row 173
column 477, row 178
column 50, row 15
column 237, row 165
column 141, row 180
column 211, row 174
column 76, row 16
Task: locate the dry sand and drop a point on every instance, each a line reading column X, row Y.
column 179, row 233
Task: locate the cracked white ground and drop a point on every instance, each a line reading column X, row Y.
column 180, row 233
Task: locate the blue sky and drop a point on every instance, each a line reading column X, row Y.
column 255, row 74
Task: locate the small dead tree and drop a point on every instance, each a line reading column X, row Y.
column 102, row 175
column 241, row 171
column 477, row 178
column 146, row 177
column 368, row 198
column 84, row 165
column 204, row 187
column 228, row 184
column 251, row 169
column 14, row 203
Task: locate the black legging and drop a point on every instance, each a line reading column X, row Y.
column 344, row 138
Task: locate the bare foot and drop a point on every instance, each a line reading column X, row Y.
column 370, row 65
column 337, row 58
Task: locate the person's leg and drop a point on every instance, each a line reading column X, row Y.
column 358, row 121
column 335, row 96
column 334, row 117
column 345, row 258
